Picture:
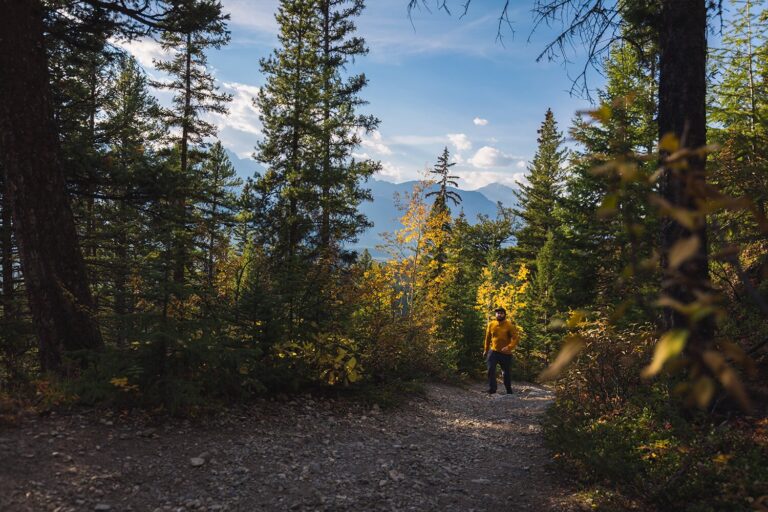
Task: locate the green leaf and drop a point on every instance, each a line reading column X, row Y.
column 670, row 345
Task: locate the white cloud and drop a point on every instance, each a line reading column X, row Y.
column 480, row 121
column 145, row 50
column 240, row 129
column 257, row 16
column 472, row 180
column 375, row 143
column 460, row 141
column 243, row 114
column 521, row 164
column 392, row 172
column 488, row 157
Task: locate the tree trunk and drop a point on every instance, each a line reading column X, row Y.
column 54, row 270
column 6, row 255
column 682, row 100
column 180, row 201
column 325, row 178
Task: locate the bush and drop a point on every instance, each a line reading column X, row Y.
column 179, row 376
column 609, row 426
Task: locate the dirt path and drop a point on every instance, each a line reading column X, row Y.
column 455, row 450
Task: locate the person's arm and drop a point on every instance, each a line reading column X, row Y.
column 487, row 340
column 514, row 337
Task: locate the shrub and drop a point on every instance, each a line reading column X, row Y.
column 607, row 425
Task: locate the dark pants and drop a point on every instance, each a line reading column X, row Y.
column 505, row 360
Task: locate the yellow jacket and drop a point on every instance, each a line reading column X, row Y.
column 502, row 336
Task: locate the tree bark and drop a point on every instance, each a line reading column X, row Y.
column 682, row 104
column 180, row 202
column 6, row 255
column 54, row 270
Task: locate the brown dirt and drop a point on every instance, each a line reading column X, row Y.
column 454, row 450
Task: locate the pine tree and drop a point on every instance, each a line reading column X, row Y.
column 440, row 214
column 218, row 205
column 588, row 220
column 739, row 111
column 340, row 175
column 312, row 187
column 288, row 103
column 538, row 198
column 55, row 273
column 194, row 94
column 442, row 170
column 129, row 129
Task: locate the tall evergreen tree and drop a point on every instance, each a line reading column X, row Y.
column 194, row 94
column 538, row 198
column 440, row 214
column 312, row 186
column 588, row 220
column 442, row 171
column 218, row 205
column 55, row 274
column 739, row 110
column 339, row 175
column 129, row 130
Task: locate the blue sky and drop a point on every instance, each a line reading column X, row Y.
column 434, row 80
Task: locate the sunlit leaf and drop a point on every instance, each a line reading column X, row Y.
column 669, row 143
column 602, row 114
column 670, row 345
column 722, row 458
column 628, row 171
column 683, row 250
column 608, row 206
column 576, row 317
column 556, row 323
column 572, row 347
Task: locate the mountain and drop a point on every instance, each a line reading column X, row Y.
column 384, row 214
column 383, row 211
column 245, row 167
column 499, row 193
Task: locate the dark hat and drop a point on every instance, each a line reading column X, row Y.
column 500, row 309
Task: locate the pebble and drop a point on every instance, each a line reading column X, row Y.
column 451, row 445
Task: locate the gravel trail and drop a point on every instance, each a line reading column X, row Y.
column 455, row 449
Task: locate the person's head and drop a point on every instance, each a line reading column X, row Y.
column 501, row 313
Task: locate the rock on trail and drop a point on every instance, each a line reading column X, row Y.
column 454, row 450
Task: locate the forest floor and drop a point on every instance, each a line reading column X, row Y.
column 454, row 449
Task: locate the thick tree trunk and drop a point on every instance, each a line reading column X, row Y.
column 54, row 270
column 682, row 103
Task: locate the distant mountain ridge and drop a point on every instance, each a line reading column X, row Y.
column 385, row 215
column 383, row 211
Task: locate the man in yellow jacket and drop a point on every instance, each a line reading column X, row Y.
column 501, row 338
